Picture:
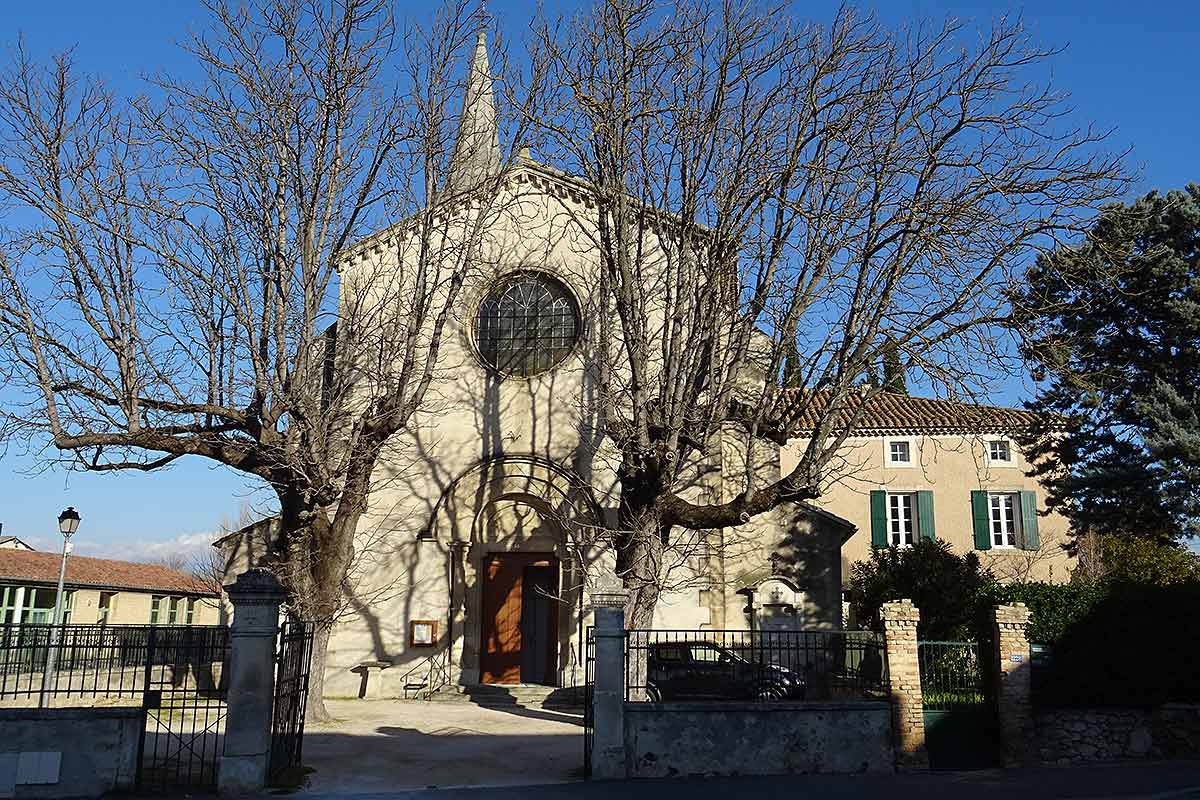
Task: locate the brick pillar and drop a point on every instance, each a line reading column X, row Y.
column 1014, row 709
column 255, row 596
column 608, row 686
column 900, row 619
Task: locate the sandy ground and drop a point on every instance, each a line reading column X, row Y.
column 380, row 746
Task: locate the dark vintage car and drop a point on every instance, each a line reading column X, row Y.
column 699, row 670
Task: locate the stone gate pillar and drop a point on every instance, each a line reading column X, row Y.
column 900, row 619
column 256, row 596
column 1013, row 702
column 608, row 686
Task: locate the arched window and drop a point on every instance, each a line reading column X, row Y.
column 528, row 324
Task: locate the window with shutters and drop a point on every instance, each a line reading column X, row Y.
column 105, row 609
column 1004, row 516
column 901, row 518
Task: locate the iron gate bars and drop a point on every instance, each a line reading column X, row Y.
column 184, row 702
column 291, row 694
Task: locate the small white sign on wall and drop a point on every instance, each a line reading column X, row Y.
column 38, row 767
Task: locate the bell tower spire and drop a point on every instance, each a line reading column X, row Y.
column 477, row 148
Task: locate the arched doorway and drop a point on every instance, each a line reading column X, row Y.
column 518, row 532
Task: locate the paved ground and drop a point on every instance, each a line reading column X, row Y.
column 1131, row 781
column 392, row 745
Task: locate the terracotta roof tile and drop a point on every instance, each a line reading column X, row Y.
column 28, row 566
column 887, row 413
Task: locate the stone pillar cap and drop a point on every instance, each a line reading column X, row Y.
column 257, row 581
column 609, row 599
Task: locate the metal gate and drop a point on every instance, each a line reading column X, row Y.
column 184, row 701
column 589, row 676
column 291, row 694
column 961, row 728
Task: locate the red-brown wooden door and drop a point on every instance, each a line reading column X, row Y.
column 520, row 637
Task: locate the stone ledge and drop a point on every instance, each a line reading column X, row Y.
column 791, row 707
column 68, row 714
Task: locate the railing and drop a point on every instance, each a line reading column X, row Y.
column 951, row 675
column 107, row 660
column 671, row 665
column 432, row 673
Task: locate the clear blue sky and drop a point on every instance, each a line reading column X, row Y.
column 1128, row 66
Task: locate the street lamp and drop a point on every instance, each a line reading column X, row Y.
column 68, row 523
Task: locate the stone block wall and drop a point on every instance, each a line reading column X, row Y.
column 68, row 752
column 756, row 738
column 1084, row 735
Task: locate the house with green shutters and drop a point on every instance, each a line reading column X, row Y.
column 921, row 468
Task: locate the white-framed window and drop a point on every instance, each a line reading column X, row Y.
column 999, row 451
column 1004, row 516
column 898, row 452
column 156, row 607
column 901, row 518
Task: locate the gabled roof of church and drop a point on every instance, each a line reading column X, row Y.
column 888, row 413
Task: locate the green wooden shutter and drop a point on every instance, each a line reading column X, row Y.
column 925, row 527
column 980, row 518
column 879, row 537
column 1029, row 521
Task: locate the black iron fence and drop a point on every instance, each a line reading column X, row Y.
column 670, row 665
column 184, row 701
column 108, row 660
column 291, row 695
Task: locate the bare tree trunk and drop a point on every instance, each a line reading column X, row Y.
column 640, row 544
column 315, row 708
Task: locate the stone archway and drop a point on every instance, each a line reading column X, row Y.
column 510, row 524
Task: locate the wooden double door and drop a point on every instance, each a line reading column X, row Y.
column 519, row 619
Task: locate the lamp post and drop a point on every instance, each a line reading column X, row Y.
column 68, row 523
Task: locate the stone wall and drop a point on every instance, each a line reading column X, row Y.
column 1074, row 736
column 756, row 738
column 68, row 752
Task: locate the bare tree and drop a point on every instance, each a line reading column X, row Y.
column 781, row 205
column 169, row 278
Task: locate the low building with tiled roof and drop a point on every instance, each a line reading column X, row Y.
column 101, row 590
column 918, row 467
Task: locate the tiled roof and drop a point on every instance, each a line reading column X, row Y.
column 27, row 566
column 886, row 413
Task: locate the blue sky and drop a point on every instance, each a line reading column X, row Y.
column 1127, row 69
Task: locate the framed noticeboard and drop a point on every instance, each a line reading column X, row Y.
column 422, row 633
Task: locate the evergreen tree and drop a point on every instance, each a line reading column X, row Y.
column 1112, row 329
column 893, row 370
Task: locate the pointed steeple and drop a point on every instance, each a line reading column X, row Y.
column 477, row 149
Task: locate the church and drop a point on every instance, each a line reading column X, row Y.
column 486, row 536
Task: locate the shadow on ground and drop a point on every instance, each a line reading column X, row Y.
column 389, row 746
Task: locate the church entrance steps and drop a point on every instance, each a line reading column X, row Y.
column 519, row 695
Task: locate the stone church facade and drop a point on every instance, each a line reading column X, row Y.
column 484, row 540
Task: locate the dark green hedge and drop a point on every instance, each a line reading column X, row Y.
column 1053, row 607
column 1109, row 643
column 1114, row 644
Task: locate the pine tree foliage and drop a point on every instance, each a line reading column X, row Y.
column 1112, row 329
